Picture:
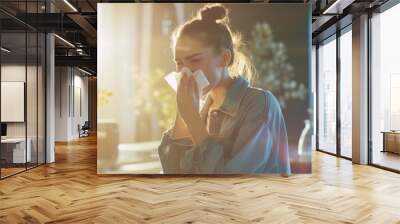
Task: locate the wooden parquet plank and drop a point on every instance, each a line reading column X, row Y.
column 70, row 191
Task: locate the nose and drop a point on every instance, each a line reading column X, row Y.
column 183, row 66
column 185, row 70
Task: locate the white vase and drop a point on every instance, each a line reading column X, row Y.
column 304, row 145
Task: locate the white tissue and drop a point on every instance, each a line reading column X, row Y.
column 173, row 78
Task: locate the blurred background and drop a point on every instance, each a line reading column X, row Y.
column 135, row 104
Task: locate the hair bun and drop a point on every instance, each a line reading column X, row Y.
column 213, row 12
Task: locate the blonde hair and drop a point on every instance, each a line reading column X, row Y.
column 211, row 26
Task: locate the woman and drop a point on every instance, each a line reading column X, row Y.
column 240, row 129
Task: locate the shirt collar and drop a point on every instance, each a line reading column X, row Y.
column 233, row 96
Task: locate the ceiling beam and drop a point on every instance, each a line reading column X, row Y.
column 84, row 24
column 83, row 61
column 337, row 6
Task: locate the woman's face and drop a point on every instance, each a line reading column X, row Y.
column 194, row 54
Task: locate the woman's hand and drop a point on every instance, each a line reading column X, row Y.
column 187, row 98
column 188, row 103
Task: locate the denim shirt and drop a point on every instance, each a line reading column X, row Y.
column 247, row 134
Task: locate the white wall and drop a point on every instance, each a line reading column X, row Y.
column 80, row 94
column 12, row 73
column 61, row 103
column 71, row 93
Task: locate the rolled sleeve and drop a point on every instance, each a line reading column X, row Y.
column 171, row 150
column 202, row 158
column 182, row 156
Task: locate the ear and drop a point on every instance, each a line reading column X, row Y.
column 226, row 57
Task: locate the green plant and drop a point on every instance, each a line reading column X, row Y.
column 275, row 73
column 154, row 101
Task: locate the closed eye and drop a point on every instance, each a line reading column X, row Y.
column 195, row 60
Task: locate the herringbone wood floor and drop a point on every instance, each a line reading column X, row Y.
column 70, row 191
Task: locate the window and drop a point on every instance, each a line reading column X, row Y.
column 385, row 88
column 346, row 93
column 22, row 78
column 327, row 96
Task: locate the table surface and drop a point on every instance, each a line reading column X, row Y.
column 13, row 140
column 391, row 132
